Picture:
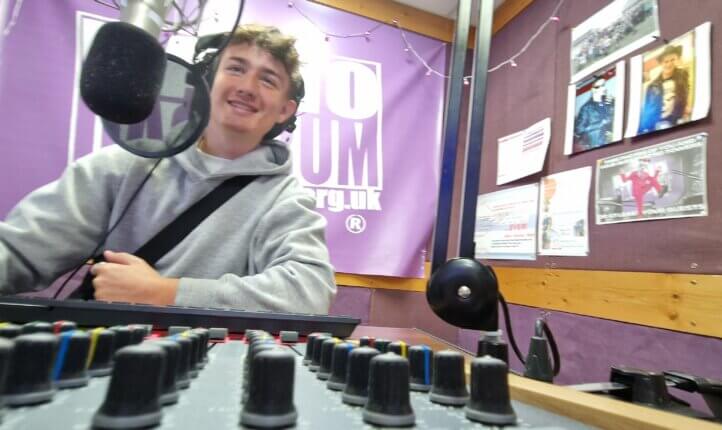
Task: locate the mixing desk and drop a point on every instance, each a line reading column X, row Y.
column 57, row 376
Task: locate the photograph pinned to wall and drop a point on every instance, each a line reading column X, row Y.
column 564, row 213
column 670, row 85
column 616, row 30
column 506, row 224
column 668, row 180
column 595, row 110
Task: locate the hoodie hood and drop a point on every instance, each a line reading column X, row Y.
column 271, row 157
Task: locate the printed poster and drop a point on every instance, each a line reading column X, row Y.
column 506, row 224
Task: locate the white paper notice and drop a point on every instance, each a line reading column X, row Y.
column 506, row 224
column 564, row 213
column 522, row 154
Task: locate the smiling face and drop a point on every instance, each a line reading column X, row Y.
column 250, row 92
column 669, row 64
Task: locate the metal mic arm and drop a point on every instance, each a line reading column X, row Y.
column 148, row 15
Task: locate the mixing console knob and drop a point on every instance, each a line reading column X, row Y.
column 37, row 327
column 366, row 341
column 137, row 333
column 132, row 399
column 492, row 344
column 63, row 326
column 195, row 346
column 337, row 379
column 308, row 356
column 324, row 369
column 9, row 330
column 490, row 403
column 204, row 337
column 6, row 350
column 357, row 376
column 421, row 363
column 69, row 370
column 316, row 357
column 30, row 373
column 183, row 379
column 449, row 387
column 100, row 356
column 382, row 345
column 169, row 388
column 270, row 403
column 257, row 347
column 122, row 336
column 399, row 347
column 388, row 393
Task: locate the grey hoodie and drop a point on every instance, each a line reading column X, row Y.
column 264, row 249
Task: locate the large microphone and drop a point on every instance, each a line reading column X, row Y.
column 123, row 72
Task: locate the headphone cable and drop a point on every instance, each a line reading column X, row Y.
column 107, row 234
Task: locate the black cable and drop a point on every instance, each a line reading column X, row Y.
column 512, row 340
column 507, row 322
column 102, row 241
column 553, row 345
column 230, row 34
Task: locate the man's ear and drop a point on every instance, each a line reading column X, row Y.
column 288, row 109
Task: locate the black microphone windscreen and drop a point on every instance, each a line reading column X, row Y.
column 123, row 73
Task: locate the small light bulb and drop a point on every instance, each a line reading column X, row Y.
column 428, row 72
column 513, row 64
column 554, row 18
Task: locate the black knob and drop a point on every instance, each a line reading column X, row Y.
column 399, row 347
column 421, row 363
column 449, row 386
column 324, row 369
column 183, row 378
column 339, row 361
column 491, row 344
column 308, row 356
column 9, row 330
column 100, row 355
column 137, row 333
column 37, row 327
column 133, row 396
column 270, row 403
column 31, row 368
column 357, row 375
column 122, row 336
column 205, row 337
column 316, row 357
column 195, row 347
column 388, row 400
column 382, row 345
column 63, row 326
column 169, row 387
column 6, row 350
column 490, row 403
column 366, row 341
column 257, row 347
column 69, row 370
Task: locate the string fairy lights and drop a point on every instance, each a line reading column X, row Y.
column 409, row 48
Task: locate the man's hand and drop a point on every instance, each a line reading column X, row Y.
column 124, row 277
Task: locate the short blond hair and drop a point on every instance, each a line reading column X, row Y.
column 281, row 47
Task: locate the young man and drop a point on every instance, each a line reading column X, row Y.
column 651, row 117
column 264, row 249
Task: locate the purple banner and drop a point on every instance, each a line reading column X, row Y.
column 368, row 137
